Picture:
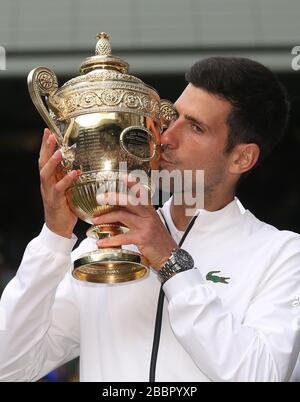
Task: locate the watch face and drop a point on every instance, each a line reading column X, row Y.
column 183, row 258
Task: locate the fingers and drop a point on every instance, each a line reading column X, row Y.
column 117, row 240
column 126, row 218
column 138, row 187
column 48, row 171
column 66, row 182
column 137, row 204
column 47, row 147
column 54, row 192
column 48, row 174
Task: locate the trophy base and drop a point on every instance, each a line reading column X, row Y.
column 110, row 265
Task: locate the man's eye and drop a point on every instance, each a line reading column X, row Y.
column 196, row 128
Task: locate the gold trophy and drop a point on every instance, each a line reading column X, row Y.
column 102, row 119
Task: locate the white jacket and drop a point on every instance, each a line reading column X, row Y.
column 246, row 330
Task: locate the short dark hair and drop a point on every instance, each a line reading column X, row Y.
column 260, row 107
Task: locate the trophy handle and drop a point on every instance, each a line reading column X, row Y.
column 42, row 82
column 167, row 113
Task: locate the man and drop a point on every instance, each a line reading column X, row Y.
column 234, row 317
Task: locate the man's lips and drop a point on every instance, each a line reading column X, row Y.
column 163, row 160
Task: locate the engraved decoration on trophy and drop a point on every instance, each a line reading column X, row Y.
column 102, row 119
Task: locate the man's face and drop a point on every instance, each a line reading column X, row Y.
column 197, row 139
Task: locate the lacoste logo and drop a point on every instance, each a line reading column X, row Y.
column 216, row 278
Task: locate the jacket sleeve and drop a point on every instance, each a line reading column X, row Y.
column 39, row 323
column 263, row 345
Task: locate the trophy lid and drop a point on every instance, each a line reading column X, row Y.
column 103, row 58
column 104, row 85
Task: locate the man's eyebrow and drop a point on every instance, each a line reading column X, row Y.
column 193, row 120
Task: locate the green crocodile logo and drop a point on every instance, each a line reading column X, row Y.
column 215, row 278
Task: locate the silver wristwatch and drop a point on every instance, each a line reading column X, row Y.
column 179, row 260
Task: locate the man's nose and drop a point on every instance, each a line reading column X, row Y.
column 170, row 137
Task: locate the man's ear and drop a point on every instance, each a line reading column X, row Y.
column 243, row 158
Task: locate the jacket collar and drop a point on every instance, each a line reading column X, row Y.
column 212, row 220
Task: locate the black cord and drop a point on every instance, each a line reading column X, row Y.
column 157, row 331
column 160, row 305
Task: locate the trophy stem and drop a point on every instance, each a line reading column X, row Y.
column 106, row 230
column 109, row 265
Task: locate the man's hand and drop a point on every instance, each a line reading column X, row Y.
column 58, row 216
column 146, row 229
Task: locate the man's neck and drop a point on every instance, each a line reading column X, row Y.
column 181, row 218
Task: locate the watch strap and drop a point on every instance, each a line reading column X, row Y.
column 171, row 267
